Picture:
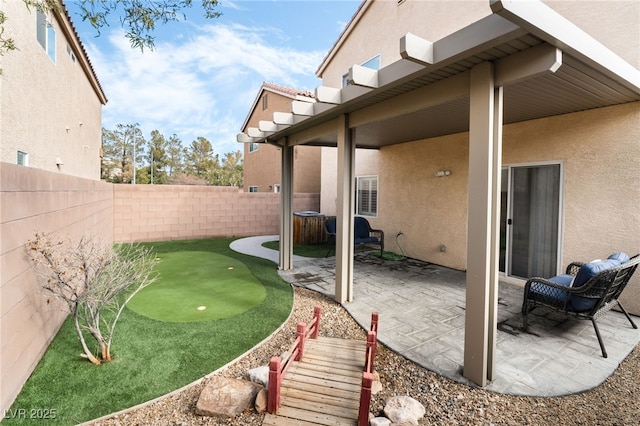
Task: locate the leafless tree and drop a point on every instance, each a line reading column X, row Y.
column 94, row 279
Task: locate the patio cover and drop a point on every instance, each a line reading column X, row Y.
column 523, row 62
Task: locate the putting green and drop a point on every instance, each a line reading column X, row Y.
column 198, row 286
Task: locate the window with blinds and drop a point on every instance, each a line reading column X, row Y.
column 367, row 196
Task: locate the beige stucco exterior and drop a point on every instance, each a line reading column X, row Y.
column 613, row 23
column 599, row 150
column 262, row 167
column 51, row 110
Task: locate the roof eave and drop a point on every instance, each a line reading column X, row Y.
column 543, row 22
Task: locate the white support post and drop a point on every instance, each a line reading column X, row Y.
column 286, row 207
column 482, row 222
column 344, row 214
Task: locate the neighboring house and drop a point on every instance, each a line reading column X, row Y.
column 262, row 162
column 51, row 100
column 503, row 140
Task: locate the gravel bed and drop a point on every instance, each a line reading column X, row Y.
column 615, row 402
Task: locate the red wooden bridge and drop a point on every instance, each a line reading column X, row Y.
column 322, row 380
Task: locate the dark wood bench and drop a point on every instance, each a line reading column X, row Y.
column 586, row 291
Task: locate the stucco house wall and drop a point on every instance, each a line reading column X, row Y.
column 262, row 167
column 51, row 110
column 598, row 149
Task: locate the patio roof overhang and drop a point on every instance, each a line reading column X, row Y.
column 521, row 63
column 426, row 94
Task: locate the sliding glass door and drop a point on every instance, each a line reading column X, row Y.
column 530, row 220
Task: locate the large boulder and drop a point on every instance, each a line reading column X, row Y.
column 225, row 397
column 404, row 410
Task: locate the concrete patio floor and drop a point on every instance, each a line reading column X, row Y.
column 422, row 307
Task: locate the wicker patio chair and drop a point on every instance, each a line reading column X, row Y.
column 586, row 291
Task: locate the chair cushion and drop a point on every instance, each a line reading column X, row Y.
column 620, row 257
column 586, row 272
column 551, row 295
column 590, row 270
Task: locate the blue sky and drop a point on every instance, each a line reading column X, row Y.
column 203, row 75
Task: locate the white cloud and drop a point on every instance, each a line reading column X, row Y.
column 201, row 84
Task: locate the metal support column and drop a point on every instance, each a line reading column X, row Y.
column 482, row 224
column 286, row 207
column 344, row 213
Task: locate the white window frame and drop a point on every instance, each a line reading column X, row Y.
column 368, row 184
column 253, row 147
column 22, row 158
column 254, row 188
column 276, row 188
column 46, row 36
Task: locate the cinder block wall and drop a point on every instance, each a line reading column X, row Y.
column 177, row 212
column 30, row 200
column 36, row 200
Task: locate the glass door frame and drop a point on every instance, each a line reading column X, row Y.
column 506, row 274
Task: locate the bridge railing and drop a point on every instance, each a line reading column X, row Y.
column 367, row 374
column 278, row 366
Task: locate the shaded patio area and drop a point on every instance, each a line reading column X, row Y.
column 422, row 308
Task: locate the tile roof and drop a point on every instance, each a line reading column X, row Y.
column 67, row 16
column 287, row 90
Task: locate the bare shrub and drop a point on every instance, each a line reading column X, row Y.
column 94, row 279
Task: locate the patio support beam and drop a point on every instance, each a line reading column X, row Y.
column 323, row 129
column 344, row 213
column 286, row 206
column 482, row 224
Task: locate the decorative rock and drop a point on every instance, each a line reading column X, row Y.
column 261, row 401
column 404, row 409
column 376, row 388
column 224, row 397
column 379, row 421
column 259, row 375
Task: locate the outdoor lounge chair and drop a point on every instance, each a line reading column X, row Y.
column 586, row 291
column 363, row 234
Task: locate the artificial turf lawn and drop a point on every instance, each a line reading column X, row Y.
column 198, row 286
column 151, row 358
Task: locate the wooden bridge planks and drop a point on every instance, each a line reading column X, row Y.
column 324, row 387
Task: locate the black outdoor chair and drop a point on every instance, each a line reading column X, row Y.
column 364, row 235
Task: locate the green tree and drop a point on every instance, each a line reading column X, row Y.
column 138, row 17
column 231, row 170
column 158, row 158
column 175, row 156
column 201, row 161
column 118, row 149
